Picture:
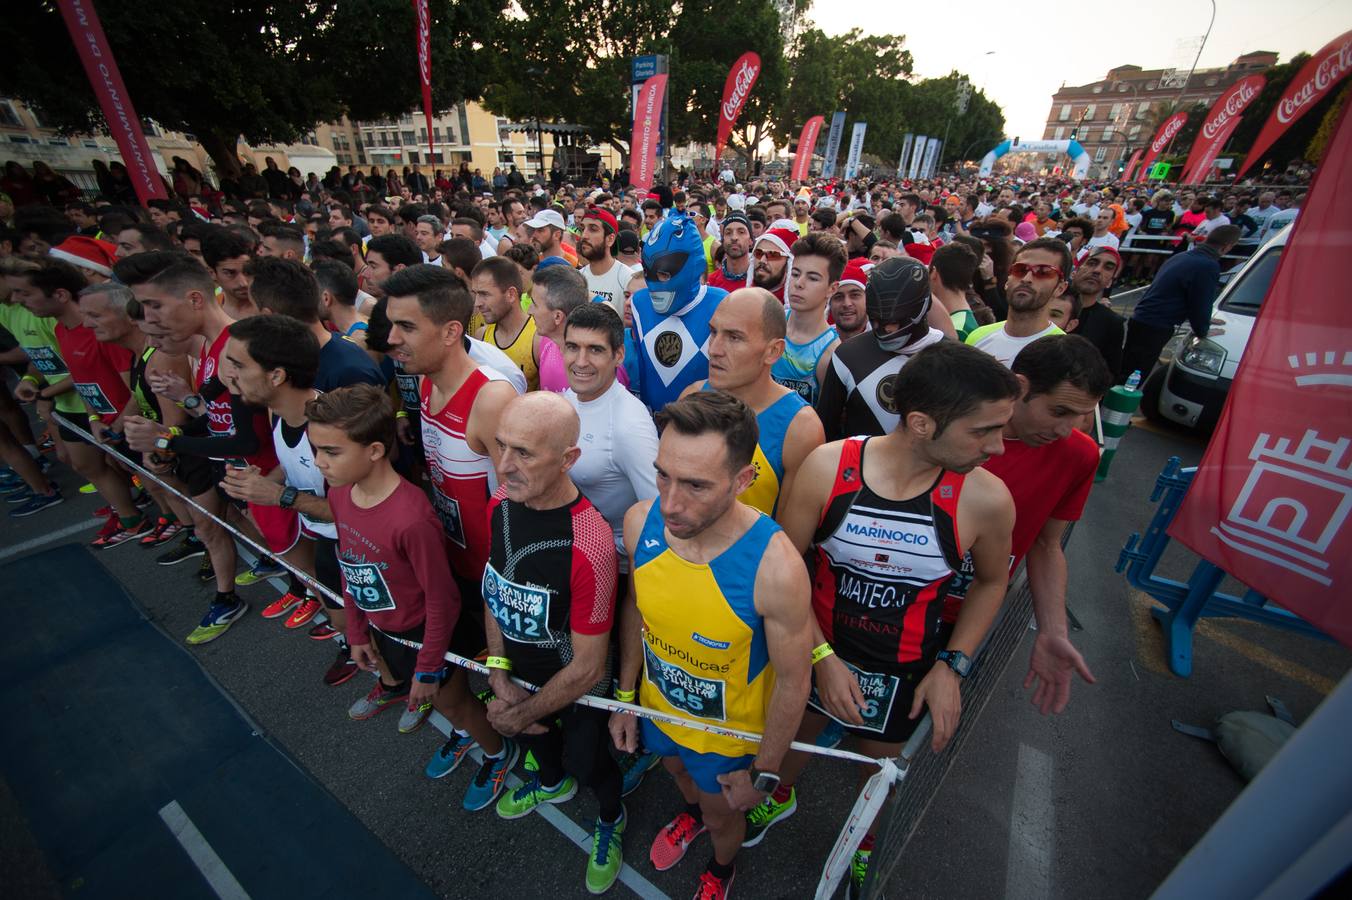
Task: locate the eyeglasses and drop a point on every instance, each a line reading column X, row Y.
column 768, row 255
column 1018, row 270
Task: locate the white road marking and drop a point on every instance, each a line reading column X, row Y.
column 1032, row 820
column 49, row 538
column 213, row 869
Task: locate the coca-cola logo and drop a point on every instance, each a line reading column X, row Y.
column 1171, row 128
column 1329, row 71
column 746, row 77
column 1235, row 101
column 424, row 43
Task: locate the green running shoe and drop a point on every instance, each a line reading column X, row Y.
column 765, row 814
column 522, row 801
column 854, row 888
column 607, row 856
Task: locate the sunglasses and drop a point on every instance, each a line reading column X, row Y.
column 1018, row 270
column 770, row 255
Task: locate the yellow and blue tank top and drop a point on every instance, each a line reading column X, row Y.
column 704, row 651
column 521, row 351
column 773, row 423
column 708, row 255
column 797, row 368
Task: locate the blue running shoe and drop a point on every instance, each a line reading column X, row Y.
column 634, row 766
column 217, row 621
column 451, row 754
column 36, row 504
column 491, row 778
column 831, row 735
column 260, row 571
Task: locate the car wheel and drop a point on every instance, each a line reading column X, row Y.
column 1150, row 400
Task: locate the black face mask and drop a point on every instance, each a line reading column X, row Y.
column 668, row 265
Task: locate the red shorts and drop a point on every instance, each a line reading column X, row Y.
column 280, row 527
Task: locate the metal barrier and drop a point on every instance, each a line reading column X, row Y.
column 1130, row 246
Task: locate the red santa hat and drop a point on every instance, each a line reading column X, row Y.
column 780, row 239
column 856, row 273
column 87, row 253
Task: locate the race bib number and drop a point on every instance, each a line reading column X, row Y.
column 366, row 586
column 93, row 395
column 963, row 578
column 408, row 390
column 45, row 360
column 801, row 386
column 521, row 611
column 879, row 692
column 699, row 697
column 448, row 510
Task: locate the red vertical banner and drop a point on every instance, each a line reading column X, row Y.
column 1168, row 128
column 425, row 69
column 647, row 131
column 1221, row 121
column 1131, row 164
column 97, row 57
column 736, row 89
column 807, row 141
column 1312, row 83
column 1271, row 499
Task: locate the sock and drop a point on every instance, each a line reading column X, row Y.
column 693, row 810
column 296, row 587
column 131, row 521
column 551, row 788
column 782, row 793
column 866, row 844
column 226, row 598
column 611, row 820
column 720, row 871
column 342, row 643
column 169, row 516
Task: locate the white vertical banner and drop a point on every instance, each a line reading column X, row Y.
column 913, row 171
column 931, row 158
column 856, row 149
column 906, row 141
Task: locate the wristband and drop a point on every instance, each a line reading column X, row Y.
column 175, row 431
column 499, row 662
column 401, row 414
column 94, row 418
column 626, row 696
column 820, row 652
column 31, row 379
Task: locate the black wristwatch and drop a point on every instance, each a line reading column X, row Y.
column 192, row 401
column 288, row 498
column 763, row 781
column 958, row 661
column 430, row 677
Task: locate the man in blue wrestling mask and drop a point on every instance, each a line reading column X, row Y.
column 671, row 317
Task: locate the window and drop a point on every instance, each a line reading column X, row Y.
column 1152, row 85
column 20, row 139
column 1142, row 109
column 1134, row 133
column 1211, row 82
column 1063, row 116
column 408, row 137
column 1100, row 154
column 506, row 158
column 58, row 142
column 1060, row 133
column 505, row 136
column 1115, row 112
column 436, row 135
column 422, row 136
column 1089, row 112
column 1107, row 133
column 93, row 145
column 464, row 124
column 1098, row 88
column 9, row 116
column 1246, row 297
column 414, row 157
column 1121, row 88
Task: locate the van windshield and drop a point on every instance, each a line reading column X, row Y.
column 1246, row 295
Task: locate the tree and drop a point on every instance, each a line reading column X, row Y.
column 262, row 70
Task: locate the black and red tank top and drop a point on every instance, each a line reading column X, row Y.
column 881, row 567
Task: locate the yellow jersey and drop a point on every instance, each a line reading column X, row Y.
column 521, row 351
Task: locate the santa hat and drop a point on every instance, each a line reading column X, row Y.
column 780, row 239
column 856, row 273
column 87, row 253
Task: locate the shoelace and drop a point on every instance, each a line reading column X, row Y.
column 762, row 812
column 682, row 829
column 605, row 833
column 859, row 867
column 710, row 886
column 530, row 787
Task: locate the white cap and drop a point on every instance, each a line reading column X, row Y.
column 547, row 217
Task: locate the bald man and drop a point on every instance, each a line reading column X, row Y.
column 549, row 589
column 746, row 336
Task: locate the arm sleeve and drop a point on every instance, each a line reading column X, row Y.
column 831, row 401
column 244, row 442
column 424, row 546
column 595, row 568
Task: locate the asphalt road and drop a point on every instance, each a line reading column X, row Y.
column 1101, row 801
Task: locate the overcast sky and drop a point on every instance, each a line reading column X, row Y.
column 1040, row 45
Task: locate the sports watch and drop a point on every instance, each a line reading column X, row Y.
column 192, row 401
column 763, row 781
column 430, row 677
column 288, row 498
column 958, row 661
column 163, row 441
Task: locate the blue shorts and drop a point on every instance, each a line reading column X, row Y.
column 703, row 767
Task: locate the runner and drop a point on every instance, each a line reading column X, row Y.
column 818, row 262
column 606, row 277
column 745, row 337
column 1041, row 270
column 887, row 520
column 857, row 396
column 735, row 271
column 701, row 558
column 848, row 307
column 550, row 589
column 460, row 403
column 496, row 287
column 951, row 271
column 773, row 260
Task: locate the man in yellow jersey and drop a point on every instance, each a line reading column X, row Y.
column 496, row 286
column 716, row 622
column 746, row 337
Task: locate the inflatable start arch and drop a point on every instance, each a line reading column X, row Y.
column 1078, row 155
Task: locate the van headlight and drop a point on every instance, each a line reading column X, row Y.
column 1202, row 355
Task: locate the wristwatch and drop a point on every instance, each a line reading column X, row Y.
column 763, row 781
column 958, row 661
column 430, row 677
column 163, row 441
column 192, row 401
column 288, row 498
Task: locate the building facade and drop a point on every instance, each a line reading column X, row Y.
column 1115, row 117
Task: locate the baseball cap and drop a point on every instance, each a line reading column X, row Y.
column 547, row 218
column 627, row 241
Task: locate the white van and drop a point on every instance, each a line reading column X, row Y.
column 1194, row 375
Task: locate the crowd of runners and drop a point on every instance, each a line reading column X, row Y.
column 761, row 457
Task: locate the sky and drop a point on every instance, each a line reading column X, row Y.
column 1039, row 46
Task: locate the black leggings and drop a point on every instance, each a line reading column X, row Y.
column 577, row 744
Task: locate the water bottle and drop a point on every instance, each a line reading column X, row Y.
column 1134, row 381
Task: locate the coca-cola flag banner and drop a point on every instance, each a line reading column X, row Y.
column 425, row 68
column 1168, row 128
column 1221, row 121
column 735, row 91
column 1131, row 164
column 1313, row 83
column 97, row 57
column 647, row 130
column 807, row 142
column 1269, row 503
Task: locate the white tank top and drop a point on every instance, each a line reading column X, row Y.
column 301, row 473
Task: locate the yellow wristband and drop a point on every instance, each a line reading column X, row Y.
column 499, row 662
column 401, row 414
column 626, row 696
column 31, row 379
column 175, row 431
column 820, row 653
column 94, row 418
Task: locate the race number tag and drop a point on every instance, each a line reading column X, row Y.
column 448, row 511
column 366, row 586
column 408, row 390
column 45, row 360
column 699, row 697
column 93, row 395
column 879, row 692
column 521, row 611
column 801, row 386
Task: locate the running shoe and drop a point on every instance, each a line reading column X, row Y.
column 634, row 766
column 303, row 613
column 673, row 840
column 142, row 497
column 522, row 801
column 854, row 887
column 711, row 887
column 450, row 755
column 343, row 668
column 217, row 621
column 163, row 532
column 206, row 572
column 280, row 606
column 607, row 855
column 35, row 504
column 831, row 735
column 110, row 525
column 103, row 512
column 414, row 717
column 491, row 778
column 260, row 571
column 321, row 632
column 45, row 442
column 188, row 548
column 88, row 489
column 120, row 535
column 20, row 493
column 9, row 479
column 530, row 763
column 765, row 814
column 377, row 701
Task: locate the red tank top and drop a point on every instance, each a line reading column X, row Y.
column 882, row 567
column 220, row 418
